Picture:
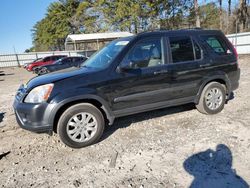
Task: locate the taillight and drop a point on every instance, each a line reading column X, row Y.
column 235, row 52
column 234, row 49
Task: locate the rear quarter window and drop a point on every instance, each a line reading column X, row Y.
column 217, row 44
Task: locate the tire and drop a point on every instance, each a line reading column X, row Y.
column 42, row 71
column 34, row 69
column 205, row 105
column 67, row 124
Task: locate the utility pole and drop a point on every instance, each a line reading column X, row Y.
column 221, row 25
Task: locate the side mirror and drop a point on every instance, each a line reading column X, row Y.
column 128, row 67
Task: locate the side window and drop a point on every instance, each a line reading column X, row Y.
column 146, row 53
column 66, row 60
column 55, row 58
column 63, row 61
column 216, row 44
column 46, row 59
column 69, row 60
column 75, row 59
column 181, row 49
column 197, row 51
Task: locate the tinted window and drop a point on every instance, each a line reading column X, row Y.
column 46, row 59
column 147, row 53
column 76, row 59
column 197, row 51
column 102, row 58
column 55, row 58
column 181, row 48
column 63, row 61
column 216, row 44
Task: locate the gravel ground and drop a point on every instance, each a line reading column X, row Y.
column 172, row 147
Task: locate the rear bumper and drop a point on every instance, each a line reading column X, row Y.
column 33, row 117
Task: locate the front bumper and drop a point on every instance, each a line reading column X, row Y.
column 33, row 117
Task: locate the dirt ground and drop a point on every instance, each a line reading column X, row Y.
column 172, row 147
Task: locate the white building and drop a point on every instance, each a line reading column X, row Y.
column 92, row 41
column 241, row 42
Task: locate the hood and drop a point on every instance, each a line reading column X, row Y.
column 36, row 62
column 59, row 75
column 50, row 65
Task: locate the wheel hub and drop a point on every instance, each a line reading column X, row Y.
column 213, row 98
column 81, row 127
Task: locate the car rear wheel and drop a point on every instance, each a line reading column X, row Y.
column 81, row 125
column 212, row 98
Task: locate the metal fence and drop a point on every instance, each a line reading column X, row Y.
column 241, row 42
column 13, row 60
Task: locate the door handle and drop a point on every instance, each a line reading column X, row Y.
column 160, row 72
column 205, row 65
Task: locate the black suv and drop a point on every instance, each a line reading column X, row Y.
column 130, row 75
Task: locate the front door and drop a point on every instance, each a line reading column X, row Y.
column 146, row 83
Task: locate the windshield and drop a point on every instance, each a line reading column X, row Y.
column 57, row 62
column 39, row 59
column 102, row 58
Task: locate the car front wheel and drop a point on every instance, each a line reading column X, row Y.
column 81, row 125
column 42, row 71
column 212, row 98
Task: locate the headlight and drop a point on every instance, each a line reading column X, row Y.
column 39, row 94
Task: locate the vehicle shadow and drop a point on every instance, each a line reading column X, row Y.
column 1, row 116
column 2, row 73
column 231, row 97
column 213, row 169
column 4, row 155
column 128, row 120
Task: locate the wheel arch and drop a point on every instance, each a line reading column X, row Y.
column 98, row 102
column 222, row 79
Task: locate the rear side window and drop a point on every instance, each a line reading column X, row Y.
column 217, row 44
column 182, row 49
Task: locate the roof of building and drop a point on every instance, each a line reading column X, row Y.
column 95, row 36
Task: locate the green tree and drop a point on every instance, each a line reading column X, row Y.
column 50, row 32
column 210, row 16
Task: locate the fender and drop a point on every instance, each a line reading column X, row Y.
column 220, row 76
column 105, row 106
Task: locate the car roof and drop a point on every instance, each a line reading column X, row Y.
column 180, row 31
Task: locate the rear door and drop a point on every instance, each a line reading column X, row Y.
column 186, row 55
